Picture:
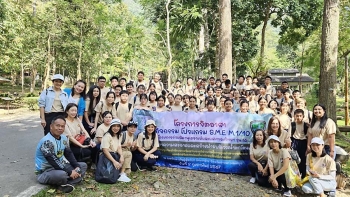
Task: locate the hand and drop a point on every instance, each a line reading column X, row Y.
column 43, row 122
column 92, row 144
column 74, row 174
column 260, row 168
column 117, row 165
column 85, row 146
column 128, row 144
column 331, row 154
column 93, row 130
column 264, row 172
column 308, row 150
column 134, row 143
column 275, row 183
column 91, row 124
column 146, row 157
column 314, row 174
column 272, row 178
column 121, row 160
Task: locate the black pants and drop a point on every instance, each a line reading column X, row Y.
column 48, row 119
column 253, row 168
column 137, row 156
column 300, row 146
column 87, row 127
column 80, row 154
column 281, row 179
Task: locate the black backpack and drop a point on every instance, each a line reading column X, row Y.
column 294, row 128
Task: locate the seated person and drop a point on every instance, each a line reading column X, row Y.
column 111, row 143
column 147, row 151
column 278, row 161
column 321, row 169
column 54, row 161
column 258, row 155
column 73, row 128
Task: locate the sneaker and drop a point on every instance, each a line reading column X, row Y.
column 66, row 188
column 93, row 166
column 124, row 178
column 252, row 180
column 140, row 168
column 287, row 193
column 152, row 168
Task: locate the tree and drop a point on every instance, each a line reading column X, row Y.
column 329, row 52
column 225, row 39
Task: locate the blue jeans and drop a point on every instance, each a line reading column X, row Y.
column 318, row 186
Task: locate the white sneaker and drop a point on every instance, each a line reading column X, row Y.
column 252, row 180
column 287, row 193
column 124, row 178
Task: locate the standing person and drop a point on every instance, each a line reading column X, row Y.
column 299, row 141
column 192, row 107
column 323, row 127
column 253, row 104
column 188, row 88
column 269, row 88
column 279, row 97
column 273, row 106
column 147, row 151
column 101, row 83
column 224, row 77
column 114, row 83
column 101, row 107
column 158, row 84
column 52, row 102
column 240, row 85
column 73, row 128
column 301, row 104
column 285, row 87
column 177, row 87
column 171, row 100
column 249, row 84
column 228, row 87
column 322, row 170
column 152, row 103
column 76, row 95
column 111, row 143
column 263, row 94
column 278, row 162
column 143, row 102
column 263, row 109
column 287, row 99
column 274, row 128
column 54, row 161
column 177, row 103
column 284, row 117
column 124, row 109
column 131, row 93
column 161, row 104
column 211, row 83
column 151, row 88
column 141, row 80
column 258, row 152
column 210, row 106
column 217, row 96
column 129, row 144
column 122, row 83
column 92, row 99
column 243, row 107
column 236, row 100
column 117, row 91
column 140, row 90
column 228, row 105
column 221, row 108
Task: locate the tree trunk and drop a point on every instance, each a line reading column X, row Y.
column 168, row 40
column 225, row 38
column 263, row 35
column 301, row 67
column 329, row 51
column 80, row 52
column 22, row 76
column 346, row 71
column 32, row 78
column 48, row 62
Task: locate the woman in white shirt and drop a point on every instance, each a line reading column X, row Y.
column 321, row 168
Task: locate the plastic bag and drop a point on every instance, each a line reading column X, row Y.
column 292, row 174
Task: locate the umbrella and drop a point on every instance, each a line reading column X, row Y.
column 2, row 79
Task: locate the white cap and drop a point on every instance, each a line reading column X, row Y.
column 57, row 76
column 150, row 122
column 317, row 140
column 274, row 137
column 116, row 121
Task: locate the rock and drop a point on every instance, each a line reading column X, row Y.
column 158, row 185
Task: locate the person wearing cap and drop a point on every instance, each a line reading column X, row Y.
column 52, row 102
column 323, row 127
column 111, row 143
column 147, row 151
column 321, row 169
column 128, row 144
column 278, row 162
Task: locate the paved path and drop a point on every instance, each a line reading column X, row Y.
column 19, row 134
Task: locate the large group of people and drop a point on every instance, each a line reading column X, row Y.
column 104, row 116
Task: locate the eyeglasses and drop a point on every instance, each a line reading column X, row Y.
column 102, row 81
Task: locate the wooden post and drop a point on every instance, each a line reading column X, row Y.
column 346, row 91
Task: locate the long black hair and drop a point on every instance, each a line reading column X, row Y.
column 324, row 118
column 83, row 93
column 153, row 134
column 112, row 133
column 91, row 97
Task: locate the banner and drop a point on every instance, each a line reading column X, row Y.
column 206, row 141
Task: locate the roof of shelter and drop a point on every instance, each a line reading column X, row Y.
column 304, row 78
column 283, row 70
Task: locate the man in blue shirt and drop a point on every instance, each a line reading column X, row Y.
column 54, row 161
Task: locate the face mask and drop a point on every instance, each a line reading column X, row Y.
column 201, row 92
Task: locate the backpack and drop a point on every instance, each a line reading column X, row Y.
column 294, row 128
column 143, row 140
column 117, row 104
column 105, row 170
column 124, row 137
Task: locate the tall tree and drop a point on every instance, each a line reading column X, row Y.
column 225, row 39
column 329, row 52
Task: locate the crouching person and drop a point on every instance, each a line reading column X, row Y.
column 55, row 162
column 147, row 151
column 128, row 145
column 321, row 169
column 111, row 142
